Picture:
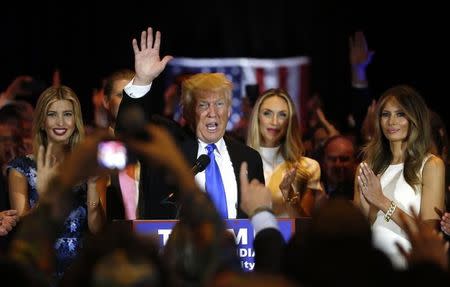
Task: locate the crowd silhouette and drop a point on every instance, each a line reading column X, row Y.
column 373, row 193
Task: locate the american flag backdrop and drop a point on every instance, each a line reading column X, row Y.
column 291, row 74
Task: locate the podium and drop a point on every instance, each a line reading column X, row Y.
column 242, row 230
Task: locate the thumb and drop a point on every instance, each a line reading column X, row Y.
column 166, row 60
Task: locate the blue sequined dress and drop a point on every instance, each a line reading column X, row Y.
column 75, row 225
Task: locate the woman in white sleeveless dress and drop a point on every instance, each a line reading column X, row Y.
column 398, row 171
column 293, row 179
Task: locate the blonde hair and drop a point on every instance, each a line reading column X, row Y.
column 48, row 97
column 198, row 83
column 291, row 146
column 377, row 152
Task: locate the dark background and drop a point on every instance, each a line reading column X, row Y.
column 88, row 41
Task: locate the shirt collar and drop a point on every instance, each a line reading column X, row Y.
column 220, row 144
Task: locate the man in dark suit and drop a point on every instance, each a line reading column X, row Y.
column 206, row 102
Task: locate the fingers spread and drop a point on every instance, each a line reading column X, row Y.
column 149, row 43
column 135, row 46
column 143, row 40
column 157, row 43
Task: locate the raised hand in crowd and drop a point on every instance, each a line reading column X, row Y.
column 427, row 244
column 19, row 86
column 148, row 64
column 360, row 57
column 47, row 167
column 82, row 164
column 172, row 159
column 254, row 195
column 360, row 95
column 329, row 127
column 256, row 202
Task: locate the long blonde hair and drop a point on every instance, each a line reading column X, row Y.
column 291, row 146
column 48, row 97
column 377, row 152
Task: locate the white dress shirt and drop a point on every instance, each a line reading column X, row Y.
column 136, row 92
column 226, row 171
column 221, row 154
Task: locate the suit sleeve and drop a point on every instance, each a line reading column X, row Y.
column 145, row 103
column 255, row 167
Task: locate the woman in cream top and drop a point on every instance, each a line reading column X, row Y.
column 293, row 179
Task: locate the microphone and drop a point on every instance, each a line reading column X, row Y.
column 200, row 164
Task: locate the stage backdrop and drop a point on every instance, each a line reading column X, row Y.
column 250, row 76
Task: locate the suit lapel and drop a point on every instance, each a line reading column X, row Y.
column 236, row 160
column 235, row 157
column 190, row 148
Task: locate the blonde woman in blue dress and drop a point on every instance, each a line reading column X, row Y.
column 274, row 132
column 399, row 172
column 57, row 129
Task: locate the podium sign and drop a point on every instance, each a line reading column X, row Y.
column 242, row 230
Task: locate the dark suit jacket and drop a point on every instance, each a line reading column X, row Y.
column 155, row 183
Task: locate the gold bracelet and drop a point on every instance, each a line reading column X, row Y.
column 390, row 211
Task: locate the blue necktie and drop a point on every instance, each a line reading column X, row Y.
column 214, row 184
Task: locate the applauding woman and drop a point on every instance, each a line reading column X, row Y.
column 274, row 132
column 399, row 172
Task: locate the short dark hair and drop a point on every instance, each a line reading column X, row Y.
column 115, row 76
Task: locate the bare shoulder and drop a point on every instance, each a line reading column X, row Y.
column 14, row 173
column 434, row 163
column 434, row 168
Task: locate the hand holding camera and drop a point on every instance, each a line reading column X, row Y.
column 112, row 154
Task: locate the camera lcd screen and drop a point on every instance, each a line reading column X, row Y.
column 112, row 154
